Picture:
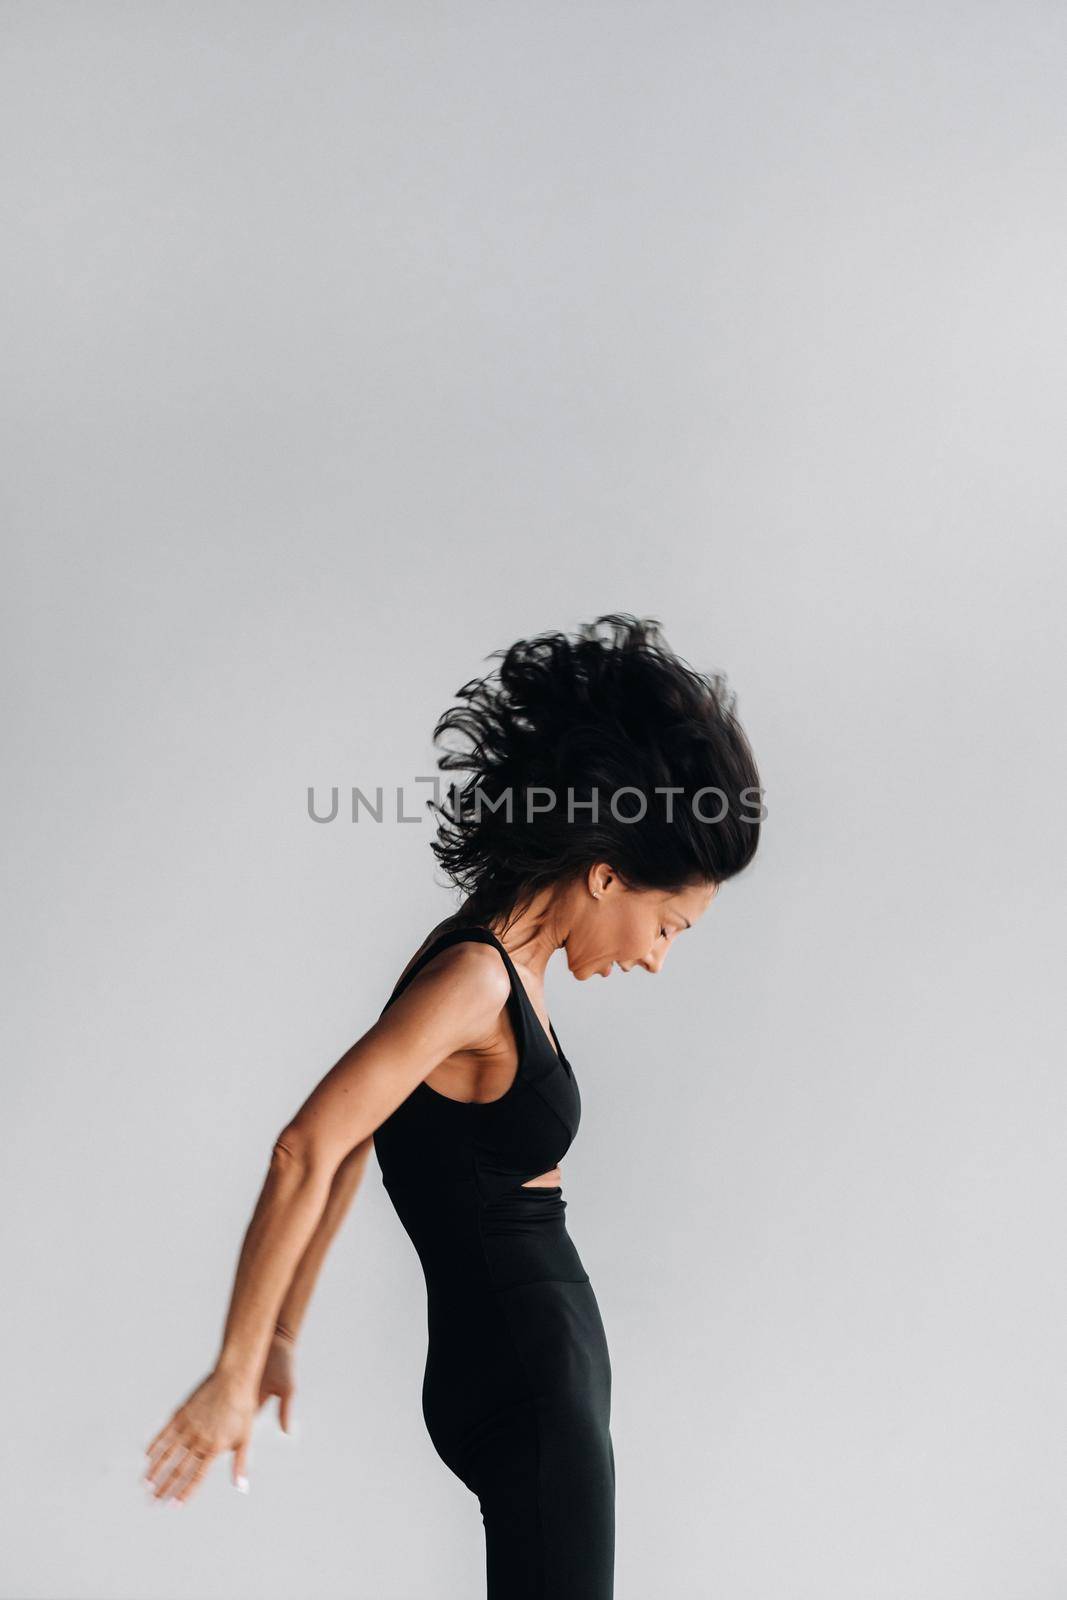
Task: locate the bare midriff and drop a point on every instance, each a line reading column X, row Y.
column 547, row 1180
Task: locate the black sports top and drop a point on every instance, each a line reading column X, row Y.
column 455, row 1169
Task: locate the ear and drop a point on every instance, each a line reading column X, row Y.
column 599, row 879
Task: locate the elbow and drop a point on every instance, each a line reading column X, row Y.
column 295, row 1151
column 291, row 1148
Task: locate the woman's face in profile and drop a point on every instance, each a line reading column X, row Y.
column 629, row 927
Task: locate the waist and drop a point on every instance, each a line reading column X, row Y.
column 464, row 1240
column 547, row 1180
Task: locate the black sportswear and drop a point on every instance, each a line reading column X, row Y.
column 517, row 1387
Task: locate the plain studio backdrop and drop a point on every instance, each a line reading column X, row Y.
column 343, row 345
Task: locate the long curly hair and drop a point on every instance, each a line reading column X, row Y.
column 610, row 712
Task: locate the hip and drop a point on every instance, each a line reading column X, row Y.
column 496, row 1354
column 543, row 1339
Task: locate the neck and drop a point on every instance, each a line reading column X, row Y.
column 535, row 935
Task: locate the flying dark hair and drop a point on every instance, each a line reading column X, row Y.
column 608, row 712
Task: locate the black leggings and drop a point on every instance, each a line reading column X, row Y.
column 517, row 1399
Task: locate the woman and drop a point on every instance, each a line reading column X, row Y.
column 585, row 825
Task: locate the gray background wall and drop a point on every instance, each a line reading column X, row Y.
column 343, row 345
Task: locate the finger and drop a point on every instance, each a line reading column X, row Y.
column 284, row 1402
column 172, row 1424
column 163, row 1438
column 174, row 1458
column 156, row 1437
column 240, row 1466
column 198, row 1464
column 171, row 1440
column 176, row 1432
column 175, row 1474
column 161, row 1462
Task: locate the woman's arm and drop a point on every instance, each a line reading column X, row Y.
column 346, row 1181
column 278, row 1376
column 290, row 1204
column 453, row 1003
column 454, row 1000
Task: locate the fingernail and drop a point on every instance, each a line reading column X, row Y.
column 241, row 1485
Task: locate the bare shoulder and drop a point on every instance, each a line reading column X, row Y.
column 468, row 966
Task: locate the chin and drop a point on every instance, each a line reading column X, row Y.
column 594, row 972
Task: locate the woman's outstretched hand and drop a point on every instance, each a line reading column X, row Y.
column 216, row 1417
column 279, row 1378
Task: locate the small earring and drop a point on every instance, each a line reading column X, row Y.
column 596, row 894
